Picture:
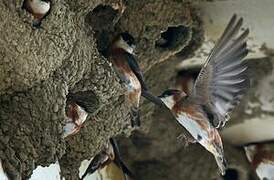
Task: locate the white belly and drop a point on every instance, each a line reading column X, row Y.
column 40, row 7
column 193, row 128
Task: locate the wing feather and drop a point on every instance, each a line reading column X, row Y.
column 136, row 69
column 223, row 79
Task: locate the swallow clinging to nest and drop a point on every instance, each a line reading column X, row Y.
column 39, row 9
column 75, row 117
column 121, row 54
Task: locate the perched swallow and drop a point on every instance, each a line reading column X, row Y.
column 262, row 161
column 39, row 10
column 121, row 54
column 218, row 88
column 109, row 163
column 3, row 175
column 75, row 117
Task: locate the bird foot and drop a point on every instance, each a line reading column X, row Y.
column 221, row 124
column 222, row 121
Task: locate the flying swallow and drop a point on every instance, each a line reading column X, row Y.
column 109, row 163
column 262, row 161
column 39, row 10
column 75, row 117
column 218, row 88
column 121, row 54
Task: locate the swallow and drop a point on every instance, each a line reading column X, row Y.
column 75, row 117
column 3, row 175
column 262, row 161
column 109, row 163
column 219, row 87
column 39, row 9
column 121, row 55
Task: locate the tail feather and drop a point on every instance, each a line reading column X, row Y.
column 222, row 164
column 135, row 117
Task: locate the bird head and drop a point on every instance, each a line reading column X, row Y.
column 171, row 96
column 126, row 42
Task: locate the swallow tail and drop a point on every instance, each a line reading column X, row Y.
column 219, row 152
column 135, row 116
column 222, row 164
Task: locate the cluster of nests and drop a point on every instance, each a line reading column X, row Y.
column 201, row 106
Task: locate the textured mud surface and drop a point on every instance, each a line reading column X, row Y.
column 40, row 68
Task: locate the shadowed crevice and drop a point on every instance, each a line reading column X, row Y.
column 173, row 36
column 85, row 99
column 231, row 174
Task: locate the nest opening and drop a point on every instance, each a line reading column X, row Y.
column 85, row 99
column 191, row 72
column 231, row 174
column 173, row 36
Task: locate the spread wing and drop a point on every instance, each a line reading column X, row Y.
column 223, row 79
column 136, row 69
